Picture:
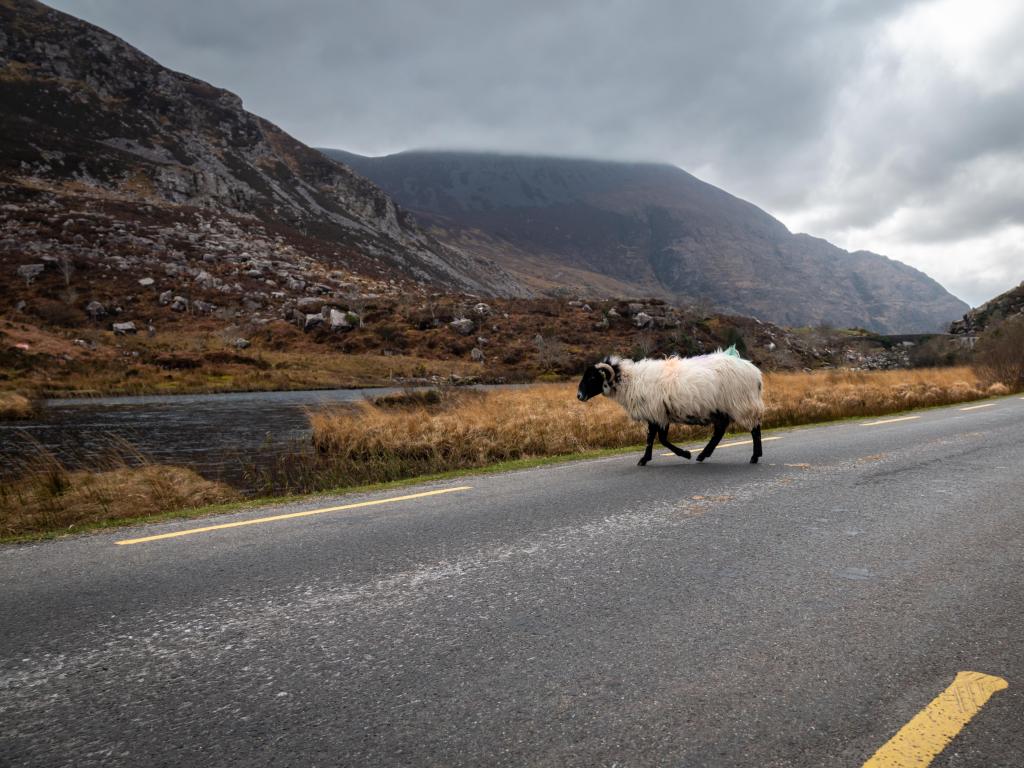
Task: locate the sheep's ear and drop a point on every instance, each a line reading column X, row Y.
column 607, row 372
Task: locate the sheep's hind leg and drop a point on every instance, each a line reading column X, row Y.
column 756, row 434
column 721, row 421
column 663, row 437
column 652, row 430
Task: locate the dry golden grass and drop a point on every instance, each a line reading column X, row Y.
column 472, row 429
column 50, row 498
column 15, row 406
column 278, row 371
column 805, row 398
column 199, row 360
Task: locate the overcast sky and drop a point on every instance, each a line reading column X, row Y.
column 892, row 127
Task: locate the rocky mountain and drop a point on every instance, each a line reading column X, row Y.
column 615, row 229
column 990, row 314
column 90, row 124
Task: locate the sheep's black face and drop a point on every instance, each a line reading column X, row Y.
column 591, row 384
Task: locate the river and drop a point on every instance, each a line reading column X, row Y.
column 218, row 435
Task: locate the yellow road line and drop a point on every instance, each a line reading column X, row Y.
column 889, row 421
column 728, row 445
column 976, row 407
column 918, row 742
column 291, row 515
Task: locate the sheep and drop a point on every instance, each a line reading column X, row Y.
column 711, row 389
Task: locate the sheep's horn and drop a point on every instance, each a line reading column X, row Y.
column 606, row 370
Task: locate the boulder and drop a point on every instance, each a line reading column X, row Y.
column 165, row 298
column 643, row 320
column 312, row 321
column 146, row 282
column 482, row 309
column 120, row 329
column 342, row 321
column 95, row 310
column 463, row 325
column 180, row 304
column 241, row 343
column 206, row 280
column 29, row 272
column 477, row 355
column 310, row 304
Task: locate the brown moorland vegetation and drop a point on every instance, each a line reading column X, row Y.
column 48, row 497
column 15, row 406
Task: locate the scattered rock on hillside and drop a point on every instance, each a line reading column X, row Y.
column 310, row 304
column 343, row 321
column 120, row 329
column 29, row 272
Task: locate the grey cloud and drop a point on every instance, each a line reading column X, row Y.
column 795, row 106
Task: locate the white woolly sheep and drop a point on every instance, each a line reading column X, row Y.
column 710, row 389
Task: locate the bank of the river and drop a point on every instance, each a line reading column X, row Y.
column 262, row 444
column 221, row 436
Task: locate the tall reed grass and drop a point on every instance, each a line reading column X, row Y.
column 42, row 494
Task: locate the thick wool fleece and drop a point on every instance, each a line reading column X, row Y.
column 690, row 388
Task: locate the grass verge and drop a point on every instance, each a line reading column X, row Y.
column 48, row 497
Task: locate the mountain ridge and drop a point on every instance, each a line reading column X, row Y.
column 97, row 116
column 653, row 229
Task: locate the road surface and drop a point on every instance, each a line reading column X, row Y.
column 799, row 612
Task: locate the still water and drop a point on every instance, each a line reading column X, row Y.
column 218, row 435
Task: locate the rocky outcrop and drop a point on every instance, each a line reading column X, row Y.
column 991, row 313
column 95, row 116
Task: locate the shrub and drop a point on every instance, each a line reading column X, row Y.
column 999, row 354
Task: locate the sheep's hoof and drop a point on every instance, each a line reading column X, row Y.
column 753, row 459
column 642, row 462
column 701, row 457
column 685, row 454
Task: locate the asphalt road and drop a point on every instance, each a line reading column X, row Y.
column 798, row 612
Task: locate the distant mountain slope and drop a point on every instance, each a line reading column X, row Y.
column 86, row 113
column 992, row 313
column 612, row 228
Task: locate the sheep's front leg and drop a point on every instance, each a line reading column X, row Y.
column 721, row 424
column 663, row 437
column 652, row 431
